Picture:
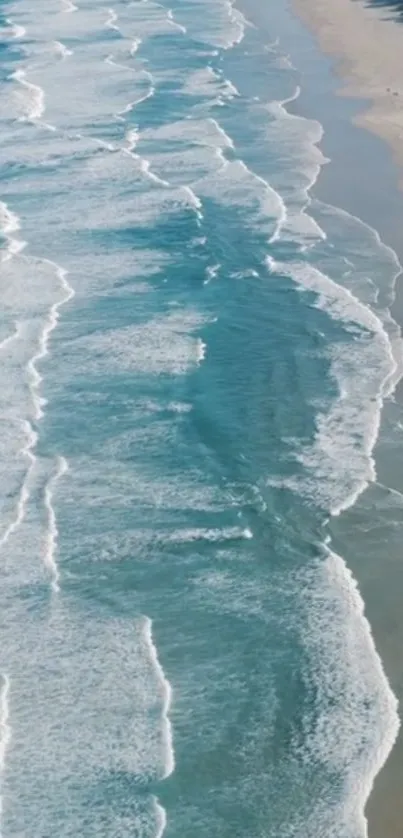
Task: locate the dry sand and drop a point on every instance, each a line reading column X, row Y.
column 368, row 47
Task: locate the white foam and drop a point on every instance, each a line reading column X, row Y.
column 372, row 276
column 150, row 491
column 62, row 50
column 332, row 297
column 49, row 326
column 15, row 30
column 103, row 84
column 34, row 103
column 194, row 201
column 142, row 97
column 165, row 344
column 68, row 6
column 236, row 185
column 340, row 460
column 355, row 720
column 136, row 43
column 111, row 60
column 207, row 82
column 9, row 224
column 14, row 336
column 161, row 819
column 132, row 137
column 149, row 19
column 174, row 23
column 202, row 132
column 110, row 717
column 179, row 407
column 180, row 166
column 339, row 463
column 214, row 22
column 5, row 733
column 211, row 272
column 213, row 535
column 111, row 20
column 144, row 164
column 296, row 141
column 27, row 451
column 166, row 690
column 52, row 530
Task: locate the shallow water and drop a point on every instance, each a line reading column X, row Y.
column 193, row 371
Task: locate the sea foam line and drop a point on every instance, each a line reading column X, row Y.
column 170, row 17
column 211, row 272
column 63, row 51
column 9, row 224
column 240, row 22
column 389, row 713
column 50, row 325
column 110, row 23
column 53, row 532
column 132, row 138
column 5, row 729
column 110, row 60
column 194, row 201
column 384, row 701
column 14, row 335
column 129, row 107
column 161, row 818
column 69, row 7
column 17, row 30
column 36, row 107
column 278, row 200
column 28, row 452
column 166, row 701
column 174, row 23
column 136, row 43
column 278, row 108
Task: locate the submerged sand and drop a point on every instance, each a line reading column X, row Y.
column 368, row 46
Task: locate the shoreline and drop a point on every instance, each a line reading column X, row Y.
column 368, row 49
column 362, row 123
column 365, row 51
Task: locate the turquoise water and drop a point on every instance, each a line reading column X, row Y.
column 193, row 371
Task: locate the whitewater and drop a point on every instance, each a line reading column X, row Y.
column 195, row 358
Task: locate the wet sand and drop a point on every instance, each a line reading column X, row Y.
column 368, row 46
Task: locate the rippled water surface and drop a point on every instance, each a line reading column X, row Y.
column 192, row 375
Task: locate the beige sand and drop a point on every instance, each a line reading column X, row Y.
column 368, row 48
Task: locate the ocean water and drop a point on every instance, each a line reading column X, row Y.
column 193, row 368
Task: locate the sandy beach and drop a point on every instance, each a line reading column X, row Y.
column 368, row 46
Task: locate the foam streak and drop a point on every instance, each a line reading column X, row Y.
column 16, row 334
column 69, row 7
column 9, row 224
column 16, row 30
column 52, row 532
column 5, row 730
column 63, row 51
column 166, row 701
column 36, row 102
column 28, row 452
column 50, row 325
column 111, row 21
column 174, row 23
